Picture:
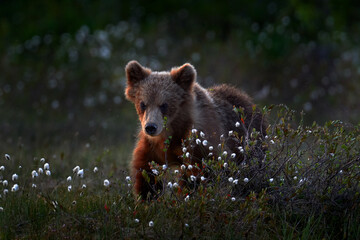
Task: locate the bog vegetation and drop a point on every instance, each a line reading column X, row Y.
column 62, row 106
column 307, row 186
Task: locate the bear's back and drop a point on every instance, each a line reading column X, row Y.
column 225, row 98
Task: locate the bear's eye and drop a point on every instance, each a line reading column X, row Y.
column 163, row 108
column 143, row 106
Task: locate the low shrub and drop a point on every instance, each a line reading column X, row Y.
column 305, row 185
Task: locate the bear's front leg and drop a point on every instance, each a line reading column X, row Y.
column 141, row 158
column 146, row 189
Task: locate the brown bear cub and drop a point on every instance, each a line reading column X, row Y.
column 178, row 98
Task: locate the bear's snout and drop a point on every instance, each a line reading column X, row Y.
column 151, row 128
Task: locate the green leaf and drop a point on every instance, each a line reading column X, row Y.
column 145, row 176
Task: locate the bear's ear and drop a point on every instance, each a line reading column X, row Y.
column 184, row 76
column 134, row 74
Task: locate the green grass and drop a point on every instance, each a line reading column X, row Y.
column 313, row 194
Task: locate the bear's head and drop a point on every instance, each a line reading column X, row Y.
column 160, row 97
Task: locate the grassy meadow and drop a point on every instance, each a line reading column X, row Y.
column 306, row 187
column 67, row 132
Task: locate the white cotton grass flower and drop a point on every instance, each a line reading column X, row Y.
column 203, row 178
column 211, row 148
column 170, row 185
column 40, row 171
column 187, row 154
column 233, row 155
column 198, row 141
column 175, row 185
column 219, row 158
column 222, row 138
column 95, row 170
column 33, row 185
column 341, row 172
column 76, row 169
column 164, row 167
column 205, row 142
column 20, row 167
column 236, row 181
column 210, row 154
column 225, row 165
column 83, row 186
column 34, row 174
column 241, row 149
column 136, row 220
column 6, row 191
column 69, row 179
column 192, row 178
column 183, row 167
column 1, row 209
column 224, row 153
column 202, row 134
column 48, row 173
column 15, row 177
column 151, row 224
column 184, row 149
column 46, row 166
column 231, row 133
column 5, row 183
column 190, row 167
column 295, row 178
column 55, row 204
column 15, row 188
column 194, row 131
column 128, row 179
column 246, row 180
column 187, row 198
column 230, row 179
column 186, row 225
column 2, row 168
column 271, row 180
column 80, row 173
column 155, row 172
column 272, row 142
column 176, row 171
column 233, row 199
column 237, row 124
column 69, row 188
column 42, row 160
column 106, row 183
column 7, row 157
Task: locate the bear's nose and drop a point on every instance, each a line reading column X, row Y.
column 151, row 128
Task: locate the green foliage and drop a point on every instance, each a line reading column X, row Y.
column 305, row 187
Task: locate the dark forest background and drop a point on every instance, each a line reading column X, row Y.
column 62, row 62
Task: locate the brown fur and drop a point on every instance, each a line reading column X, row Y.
column 176, row 96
